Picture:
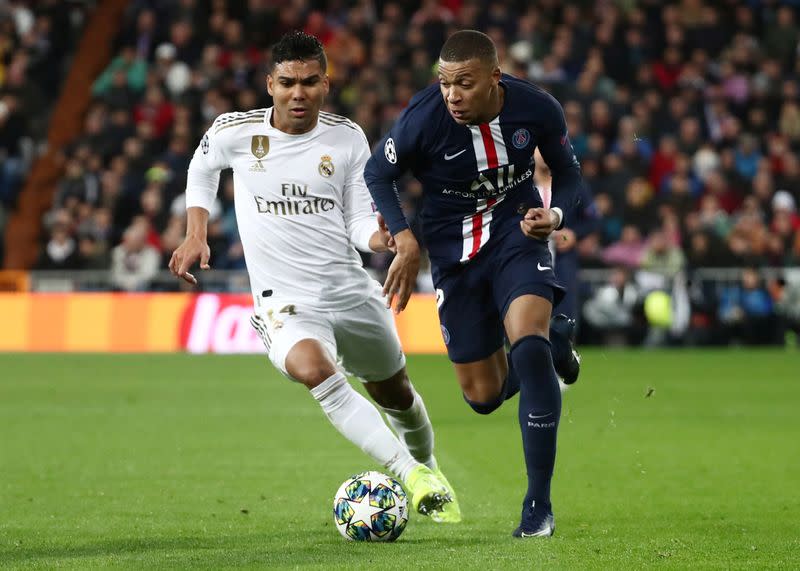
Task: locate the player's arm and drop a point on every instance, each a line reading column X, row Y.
column 556, row 150
column 389, row 161
column 365, row 232
column 587, row 219
column 202, row 182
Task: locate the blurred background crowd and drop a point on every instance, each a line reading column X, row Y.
column 685, row 116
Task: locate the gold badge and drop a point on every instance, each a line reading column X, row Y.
column 259, row 146
column 326, row 167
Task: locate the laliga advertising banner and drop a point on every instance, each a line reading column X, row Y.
column 214, row 323
column 164, row 322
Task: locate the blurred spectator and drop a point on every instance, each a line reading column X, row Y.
column 628, row 250
column 61, row 250
column 155, row 111
column 610, row 311
column 638, row 209
column 134, row 263
column 11, row 131
column 662, row 257
column 746, row 310
column 782, row 37
column 786, row 297
column 128, row 66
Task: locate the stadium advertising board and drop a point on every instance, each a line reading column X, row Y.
column 163, row 322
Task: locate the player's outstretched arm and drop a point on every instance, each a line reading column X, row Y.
column 194, row 246
column 382, row 240
column 402, row 276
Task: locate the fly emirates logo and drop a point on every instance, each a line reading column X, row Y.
column 294, row 201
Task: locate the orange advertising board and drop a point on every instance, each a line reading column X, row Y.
column 163, row 322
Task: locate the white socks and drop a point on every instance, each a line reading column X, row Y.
column 361, row 423
column 415, row 431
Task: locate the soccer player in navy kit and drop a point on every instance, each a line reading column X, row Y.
column 470, row 142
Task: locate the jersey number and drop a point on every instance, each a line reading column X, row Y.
column 288, row 309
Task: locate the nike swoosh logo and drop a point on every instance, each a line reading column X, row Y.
column 450, row 157
column 543, row 533
column 542, row 268
column 533, row 416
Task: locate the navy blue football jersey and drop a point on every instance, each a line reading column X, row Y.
column 477, row 179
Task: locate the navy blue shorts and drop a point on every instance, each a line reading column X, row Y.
column 473, row 299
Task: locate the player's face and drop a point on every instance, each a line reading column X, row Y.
column 471, row 90
column 298, row 90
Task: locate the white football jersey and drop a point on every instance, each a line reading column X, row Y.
column 301, row 205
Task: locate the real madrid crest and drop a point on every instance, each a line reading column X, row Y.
column 259, row 146
column 326, row 167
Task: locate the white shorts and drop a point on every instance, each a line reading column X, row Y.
column 362, row 341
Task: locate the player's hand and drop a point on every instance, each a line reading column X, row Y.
column 539, row 223
column 402, row 276
column 385, row 236
column 191, row 250
column 564, row 240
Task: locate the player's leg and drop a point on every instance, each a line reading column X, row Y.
column 485, row 383
column 382, row 369
column 527, row 323
column 473, row 334
column 301, row 345
column 524, row 290
column 406, row 413
column 566, row 359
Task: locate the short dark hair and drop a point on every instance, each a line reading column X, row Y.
column 469, row 44
column 299, row 46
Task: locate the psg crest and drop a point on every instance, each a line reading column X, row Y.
column 521, row 138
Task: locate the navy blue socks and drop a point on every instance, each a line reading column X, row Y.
column 512, row 380
column 539, row 412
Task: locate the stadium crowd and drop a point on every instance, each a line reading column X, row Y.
column 35, row 38
column 685, row 117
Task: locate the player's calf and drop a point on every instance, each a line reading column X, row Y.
column 484, row 382
column 406, row 413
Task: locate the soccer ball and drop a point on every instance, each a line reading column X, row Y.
column 370, row 507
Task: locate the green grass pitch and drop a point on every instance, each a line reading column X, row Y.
column 217, row 462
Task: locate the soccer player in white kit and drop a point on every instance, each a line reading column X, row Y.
column 302, row 208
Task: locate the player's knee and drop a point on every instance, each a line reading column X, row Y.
column 483, row 399
column 484, row 407
column 309, row 363
column 312, row 372
column 531, row 352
